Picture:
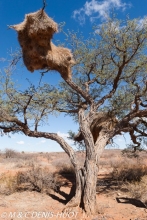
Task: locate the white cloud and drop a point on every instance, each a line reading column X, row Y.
column 20, row 142
column 40, row 142
column 43, row 141
column 65, row 137
column 99, row 8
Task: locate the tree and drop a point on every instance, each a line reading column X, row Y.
column 107, row 95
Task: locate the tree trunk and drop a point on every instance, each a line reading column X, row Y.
column 88, row 174
column 102, row 141
column 89, row 190
column 85, row 189
column 86, row 178
column 77, row 188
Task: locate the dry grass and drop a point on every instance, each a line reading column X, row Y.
column 100, row 119
column 129, row 175
column 34, row 35
column 111, row 153
column 127, row 171
column 37, row 21
column 138, row 189
column 16, row 159
column 36, row 178
column 126, row 175
column 10, row 153
column 60, row 161
column 65, row 169
column 8, row 184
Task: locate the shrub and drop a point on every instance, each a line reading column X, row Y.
column 65, row 169
column 138, row 190
column 18, row 159
column 37, row 179
column 128, row 172
column 23, row 163
column 9, row 153
column 65, row 172
column 8, row 184
column 104, row 163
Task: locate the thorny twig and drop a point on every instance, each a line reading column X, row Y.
column 44, row 4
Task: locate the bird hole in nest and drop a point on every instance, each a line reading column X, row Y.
column 34, row 35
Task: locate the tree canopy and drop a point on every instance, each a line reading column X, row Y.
column 109, row 75
column 107, row 94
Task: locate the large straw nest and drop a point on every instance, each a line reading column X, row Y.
column 37, row 23
column 34, row 35
column 100, row 121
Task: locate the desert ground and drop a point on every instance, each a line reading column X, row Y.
column 38, row 185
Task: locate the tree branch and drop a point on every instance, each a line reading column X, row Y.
column 68, row 111
column 44, row 5
column 25, row 108
column 75, row 87
column 115, row 84
column 134, row 138
column 143, row 134
column 124, row 124
column 24, row 128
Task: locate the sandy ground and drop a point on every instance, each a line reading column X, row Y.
column 112, row 205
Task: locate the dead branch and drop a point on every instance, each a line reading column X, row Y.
column 44, row 4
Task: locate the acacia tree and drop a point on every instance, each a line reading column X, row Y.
column 107, row 95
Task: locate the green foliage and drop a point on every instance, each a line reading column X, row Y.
column 114, row 46
column 33, row 105
column 109, row 75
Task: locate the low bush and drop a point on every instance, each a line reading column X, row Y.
column 128, row 172
column 65, row 169
column 18, row 159
column 138, row 190
column 10, row 153
column 36, row 179
column 8, row 184
column 21, row 163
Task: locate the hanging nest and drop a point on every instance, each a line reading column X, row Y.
column 34, row 35
column 100, row 121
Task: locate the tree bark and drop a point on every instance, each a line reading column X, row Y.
column 89, row 191
column 85, row 190
column 101, row 143
column 77, row 188
column 89, row 172
column 87, row 177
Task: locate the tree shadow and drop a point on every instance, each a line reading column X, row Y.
column 108, row 184
column 57, row 198
column 132, row 201
column 67, row 197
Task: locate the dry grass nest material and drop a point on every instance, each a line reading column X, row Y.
column 34, row 35
column 101, row 120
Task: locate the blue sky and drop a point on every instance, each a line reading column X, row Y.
column 78, row 15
